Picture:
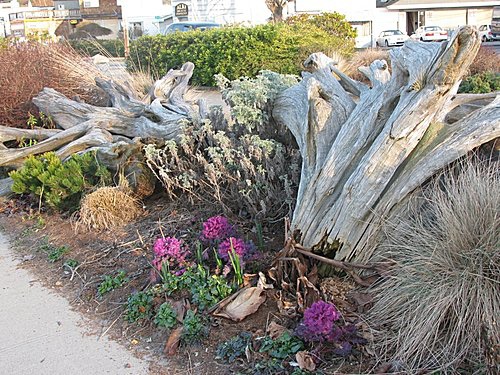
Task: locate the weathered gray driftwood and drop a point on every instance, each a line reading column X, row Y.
column 108, row 130
column 365, row 149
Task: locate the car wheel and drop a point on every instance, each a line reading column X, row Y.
column 386, row 43
column 422, row 39
column 484, row 39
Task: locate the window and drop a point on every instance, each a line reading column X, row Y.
column 91, row 4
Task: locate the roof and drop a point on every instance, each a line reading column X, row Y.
column 437, row 4
column 37, row 3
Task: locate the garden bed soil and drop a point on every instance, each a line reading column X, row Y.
column 33, row 234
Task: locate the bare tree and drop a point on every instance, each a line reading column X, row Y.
column 276, row 7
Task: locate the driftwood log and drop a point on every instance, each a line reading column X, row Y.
column 115, row 132
column 365, row 149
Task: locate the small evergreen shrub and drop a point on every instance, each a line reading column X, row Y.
column 59, row 184
column 481, row 83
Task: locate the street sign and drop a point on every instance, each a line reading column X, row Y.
column 181, row 10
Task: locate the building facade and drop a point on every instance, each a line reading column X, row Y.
column 225, row 12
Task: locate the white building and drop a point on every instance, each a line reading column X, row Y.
column 148, row 17
column 363, row 15
column 247, row 12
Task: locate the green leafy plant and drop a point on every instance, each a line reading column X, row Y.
column 166, row 316
column 284, row 346
column 235, row 347
column 237, row 266
column 71, row 263
column 112, row 282
column 194, row 328
column 59, row 184
column 57, row 253
column 481, row 83
column 139, row 306
column 54, row 253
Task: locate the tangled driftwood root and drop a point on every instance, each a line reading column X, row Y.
column 107, row 208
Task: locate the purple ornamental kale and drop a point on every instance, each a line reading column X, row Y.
column 318, row 323
column 238, row 245
column 216, row 228
column 170, row 250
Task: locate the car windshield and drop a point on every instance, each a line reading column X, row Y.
column 433, row 28
column 392, row 32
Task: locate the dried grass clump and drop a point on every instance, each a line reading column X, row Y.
column 439, row 309
column 107, row 208
column 28, row 67
column 487, row 60
column 364, row 58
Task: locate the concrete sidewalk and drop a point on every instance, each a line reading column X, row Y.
column 40, row 334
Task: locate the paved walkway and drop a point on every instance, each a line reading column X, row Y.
column 40, row 334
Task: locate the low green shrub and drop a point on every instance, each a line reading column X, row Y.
column 238, row 51
column 480, row 83
column 59, row 184
column 112, row 47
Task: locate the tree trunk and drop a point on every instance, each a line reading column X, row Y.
column 114, row 132
column 365, row 149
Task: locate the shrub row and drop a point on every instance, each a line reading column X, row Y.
column 237, row 51
column 112, row 47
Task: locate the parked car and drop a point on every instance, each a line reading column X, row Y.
column 430, row 34
column 486, row 35
column 391, row 38
column 189, row 26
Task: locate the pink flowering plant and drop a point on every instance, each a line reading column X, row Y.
column 321, row 324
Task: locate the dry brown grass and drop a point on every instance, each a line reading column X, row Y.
column 364, row 58
column 29, row 67
column 439, row 309
column 487, row 60
column 107, row 208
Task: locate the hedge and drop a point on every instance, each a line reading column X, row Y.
column 106, row 47
column 235, row 51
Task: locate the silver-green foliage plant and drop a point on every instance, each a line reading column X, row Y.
column 244, row 174
column 251, row 99
column 439, row 309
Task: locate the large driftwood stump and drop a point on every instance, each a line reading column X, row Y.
column 114, row 132
column 366, row 148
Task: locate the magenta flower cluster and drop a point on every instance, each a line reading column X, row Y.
column 216, row 229
column 171, row 252
column 319, row 322
column 238, row 246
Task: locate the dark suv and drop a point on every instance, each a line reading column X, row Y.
column 189, row 26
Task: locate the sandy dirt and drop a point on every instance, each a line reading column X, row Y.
column 40, row 334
